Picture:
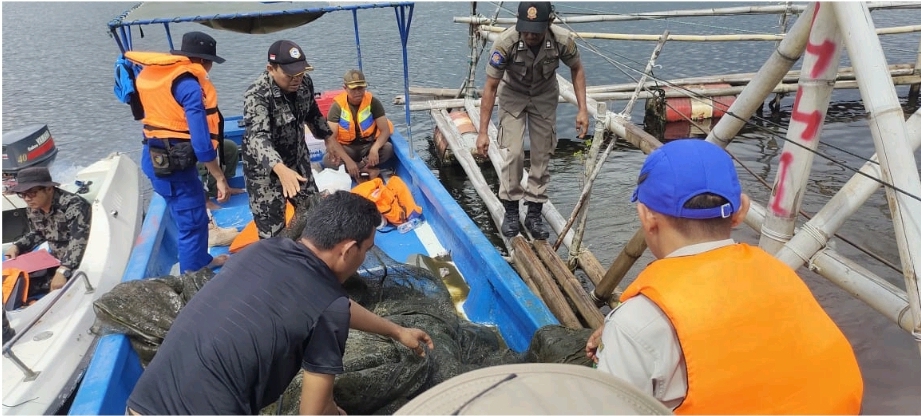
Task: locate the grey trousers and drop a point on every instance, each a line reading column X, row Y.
column 542, row 131
column 231, row 157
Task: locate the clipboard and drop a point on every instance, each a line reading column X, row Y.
column 32, row 261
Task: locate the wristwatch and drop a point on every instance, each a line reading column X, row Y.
column 67, row 273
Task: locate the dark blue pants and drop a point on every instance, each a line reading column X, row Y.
column 186, row 202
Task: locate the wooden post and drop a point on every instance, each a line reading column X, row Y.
column 569, row 283
column 551, row 294
column 622, row 264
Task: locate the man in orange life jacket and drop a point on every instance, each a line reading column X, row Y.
column 361, row 131
column 714, row 326
column 180, row 121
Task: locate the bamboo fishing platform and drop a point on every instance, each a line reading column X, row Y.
column 893, row 166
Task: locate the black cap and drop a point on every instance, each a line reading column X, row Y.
column 534, row 16
column 29, row 178
column 199, row 45
column 289, row 56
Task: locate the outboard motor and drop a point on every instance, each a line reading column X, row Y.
column 26, row 147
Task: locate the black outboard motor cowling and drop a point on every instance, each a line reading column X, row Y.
column 27, row 147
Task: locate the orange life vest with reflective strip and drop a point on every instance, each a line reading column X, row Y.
column 164, row 118
column 754, row 339
column 394, row 200
column 15, row 283
column 365, row 119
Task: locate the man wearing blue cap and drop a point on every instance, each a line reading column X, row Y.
column 714, row 326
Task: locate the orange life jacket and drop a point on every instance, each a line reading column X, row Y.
column 394, row 201
column 15, row 288
column 164, row 118
column 754, row 339
column 364, row 117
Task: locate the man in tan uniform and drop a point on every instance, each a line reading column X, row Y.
column 522, row 69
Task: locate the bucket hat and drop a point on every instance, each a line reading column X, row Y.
column 537, row 388
column 29, row 178
column 198, row 45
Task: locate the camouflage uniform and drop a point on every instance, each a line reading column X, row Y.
column 66, row 228
column 275, row 134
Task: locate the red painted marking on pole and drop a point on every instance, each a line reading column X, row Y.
column 824, row 53
column 785, row 160
column 812, row 120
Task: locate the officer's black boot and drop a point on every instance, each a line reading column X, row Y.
column 534, row 223
column 8, row 331
column 510, row 224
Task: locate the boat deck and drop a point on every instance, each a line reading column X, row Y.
column 235, row 213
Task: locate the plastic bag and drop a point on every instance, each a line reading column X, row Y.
column 333, row 180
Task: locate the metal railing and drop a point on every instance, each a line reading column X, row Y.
column 8, row 346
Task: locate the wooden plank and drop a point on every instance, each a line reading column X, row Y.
column 569, row 283
column 549, row 291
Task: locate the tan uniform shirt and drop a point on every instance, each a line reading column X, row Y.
column 640, row 345
column 527, row 78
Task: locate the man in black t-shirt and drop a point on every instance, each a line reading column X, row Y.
column 274, row 309
column 361, row 130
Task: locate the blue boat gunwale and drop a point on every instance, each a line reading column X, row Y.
column 498, row 296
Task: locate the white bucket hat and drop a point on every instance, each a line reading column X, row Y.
column 534, row 389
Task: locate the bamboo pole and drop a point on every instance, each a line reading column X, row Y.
column 771, row 73
column 873, row 290
column 714, row 92
column 570, row 284
column 704, row 38
column 551, row 294
column 619, row 268
column 815, row 233
column 639, row 85
column 845, row 73
column 916, row 87
column 895, row 156
column 686, row 91
column 463, row 156
column 590, row 161
column 804, row 131
column 586, row 190
column 726, row 11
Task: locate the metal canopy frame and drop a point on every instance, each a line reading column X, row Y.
column 120, row 28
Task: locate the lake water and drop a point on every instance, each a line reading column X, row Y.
column 58, row 65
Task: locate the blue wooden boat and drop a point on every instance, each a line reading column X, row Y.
column 497, row 294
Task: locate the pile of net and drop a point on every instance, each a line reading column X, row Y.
column 381, row 375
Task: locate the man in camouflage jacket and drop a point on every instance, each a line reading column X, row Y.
column 276, row 161
column 59, row 217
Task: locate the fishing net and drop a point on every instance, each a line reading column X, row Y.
column 145, row 309
column 381, row 375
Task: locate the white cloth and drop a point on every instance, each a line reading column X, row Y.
column 639, row 343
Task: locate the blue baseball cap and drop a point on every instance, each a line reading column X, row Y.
column 683, row 169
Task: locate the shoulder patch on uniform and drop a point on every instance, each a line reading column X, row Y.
column 497, row 59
